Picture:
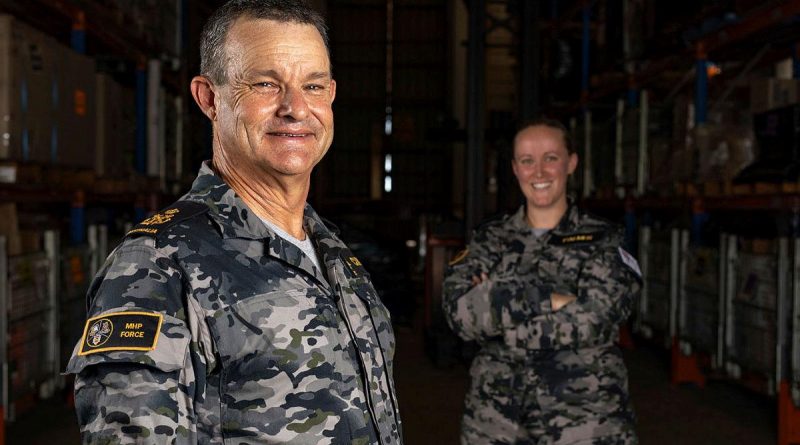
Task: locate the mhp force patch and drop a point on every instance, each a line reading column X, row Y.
column 121, row 331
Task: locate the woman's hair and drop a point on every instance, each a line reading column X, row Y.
column 550, row 123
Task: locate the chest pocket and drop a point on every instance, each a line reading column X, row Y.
column 563, row 264
column 280, row 331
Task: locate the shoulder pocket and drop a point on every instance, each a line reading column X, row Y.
column 133, row 336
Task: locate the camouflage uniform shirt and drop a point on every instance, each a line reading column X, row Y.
column 544, row 376
column 205, row 327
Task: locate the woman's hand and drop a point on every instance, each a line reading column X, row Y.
column 478, row 279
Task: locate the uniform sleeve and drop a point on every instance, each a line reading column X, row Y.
column 606, row 287
column 485, row 311
column 137, row 395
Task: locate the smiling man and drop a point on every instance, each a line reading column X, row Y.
column 236, row 315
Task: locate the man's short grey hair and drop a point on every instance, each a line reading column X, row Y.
column 213, row 60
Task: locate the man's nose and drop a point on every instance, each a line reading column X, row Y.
column 293, row 104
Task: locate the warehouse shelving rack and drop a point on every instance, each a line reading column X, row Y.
column 51, row 380
column 692, row 363
column 89, row 27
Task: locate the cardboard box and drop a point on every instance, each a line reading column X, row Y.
column 76, row 109
column 30, row 241
column 769, row 93
column 9, row 228
column 115, row 138
column 27, row 95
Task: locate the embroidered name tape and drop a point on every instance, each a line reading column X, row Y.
column 578, row 238
column 121, row 331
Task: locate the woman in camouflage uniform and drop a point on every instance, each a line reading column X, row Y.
column 543, row 291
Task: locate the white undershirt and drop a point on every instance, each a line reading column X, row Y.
column 537, row 233
column 305, row 245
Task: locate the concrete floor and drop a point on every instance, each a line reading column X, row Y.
column 431, row 398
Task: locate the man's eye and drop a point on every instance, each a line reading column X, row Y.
column 264, row 85
column 315, row 87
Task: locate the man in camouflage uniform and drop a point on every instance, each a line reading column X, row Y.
column 236, row 315
column 545, row 306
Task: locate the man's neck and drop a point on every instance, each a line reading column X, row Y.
column 277, row 199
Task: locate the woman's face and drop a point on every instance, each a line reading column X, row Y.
column 542, row 165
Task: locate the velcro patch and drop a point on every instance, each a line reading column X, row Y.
column 121, row 331
column 576, row 238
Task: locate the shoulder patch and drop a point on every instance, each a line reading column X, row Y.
column 156, row 224
column 121, row 331
column 459, row 257
column 630, row 261
column 576, row 238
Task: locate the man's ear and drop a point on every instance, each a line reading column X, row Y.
column 203, row 94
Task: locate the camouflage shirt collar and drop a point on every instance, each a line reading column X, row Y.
column 568, row 222
column 232, row 215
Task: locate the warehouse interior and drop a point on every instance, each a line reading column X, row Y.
column 685, row 114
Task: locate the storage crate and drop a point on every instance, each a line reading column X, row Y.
column 28, row 92
column 28, row 365
column 28, row 285
column 756, row 280
column 702, row 296
column 75, row 277
column 754, row 348
column 754, row 309
column 657, row 313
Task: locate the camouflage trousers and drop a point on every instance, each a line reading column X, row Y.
column 559, row 400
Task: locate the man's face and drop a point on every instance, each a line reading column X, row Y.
column 274, row 112
column 542, row 165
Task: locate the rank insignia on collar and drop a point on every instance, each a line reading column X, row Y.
column 180, row 211
column 355, row 266
column 576, row 238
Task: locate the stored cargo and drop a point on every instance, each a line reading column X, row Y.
column 115, row 128
column 756, row 280
column 28, row 285
column 28, row 92
column 76, row 109
column 657, row 284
